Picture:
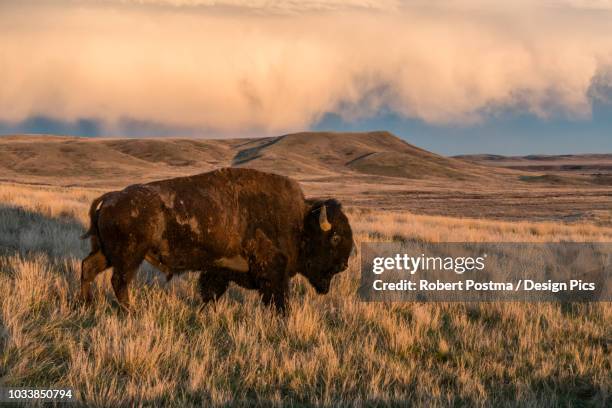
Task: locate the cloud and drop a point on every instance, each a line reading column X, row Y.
column 589, row 4
column 444, row 63
column 278, row 6
column 298, row 6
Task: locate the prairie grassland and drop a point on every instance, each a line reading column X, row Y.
column 331, row 350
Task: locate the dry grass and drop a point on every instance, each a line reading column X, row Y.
column 390, row 225
column 332, row 350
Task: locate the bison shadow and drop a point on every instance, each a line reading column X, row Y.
column 27, row 234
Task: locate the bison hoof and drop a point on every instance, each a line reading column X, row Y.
column 85, row 296
column 208, row 298
column 124, row 308
column 208, row 305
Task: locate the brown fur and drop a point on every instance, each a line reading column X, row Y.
column 212, row 222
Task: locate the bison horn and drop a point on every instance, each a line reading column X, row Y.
column 323, row 223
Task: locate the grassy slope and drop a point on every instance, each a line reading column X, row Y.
column 333, row 349
column 87, row 161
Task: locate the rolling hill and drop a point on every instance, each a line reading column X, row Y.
column 362, row 170
column 574, row 163
column 308, row 155
column 566, row 169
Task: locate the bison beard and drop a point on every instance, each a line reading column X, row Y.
column 234, row 225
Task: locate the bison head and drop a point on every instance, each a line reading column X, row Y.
column 326, row 245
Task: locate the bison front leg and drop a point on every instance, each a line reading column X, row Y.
column 269, row 266
column 276, row 293
column 213, row 284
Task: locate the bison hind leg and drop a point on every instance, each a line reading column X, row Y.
column 122, row 276
column 91, row 266
column 124, row 269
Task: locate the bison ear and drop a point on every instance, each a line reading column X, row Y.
column 323, row 223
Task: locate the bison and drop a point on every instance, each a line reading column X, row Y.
column 233, row 225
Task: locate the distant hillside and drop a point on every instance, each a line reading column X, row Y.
column 376, row 153
column 586, row 163
column 363, row 170
column 92, row 161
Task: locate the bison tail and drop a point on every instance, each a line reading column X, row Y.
column 93, row 217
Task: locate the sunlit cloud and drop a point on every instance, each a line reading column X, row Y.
column 283, row 6
column 441, row 62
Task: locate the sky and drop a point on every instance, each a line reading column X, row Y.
column 454, row 77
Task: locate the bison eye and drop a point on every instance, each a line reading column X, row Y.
column 335, row 240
